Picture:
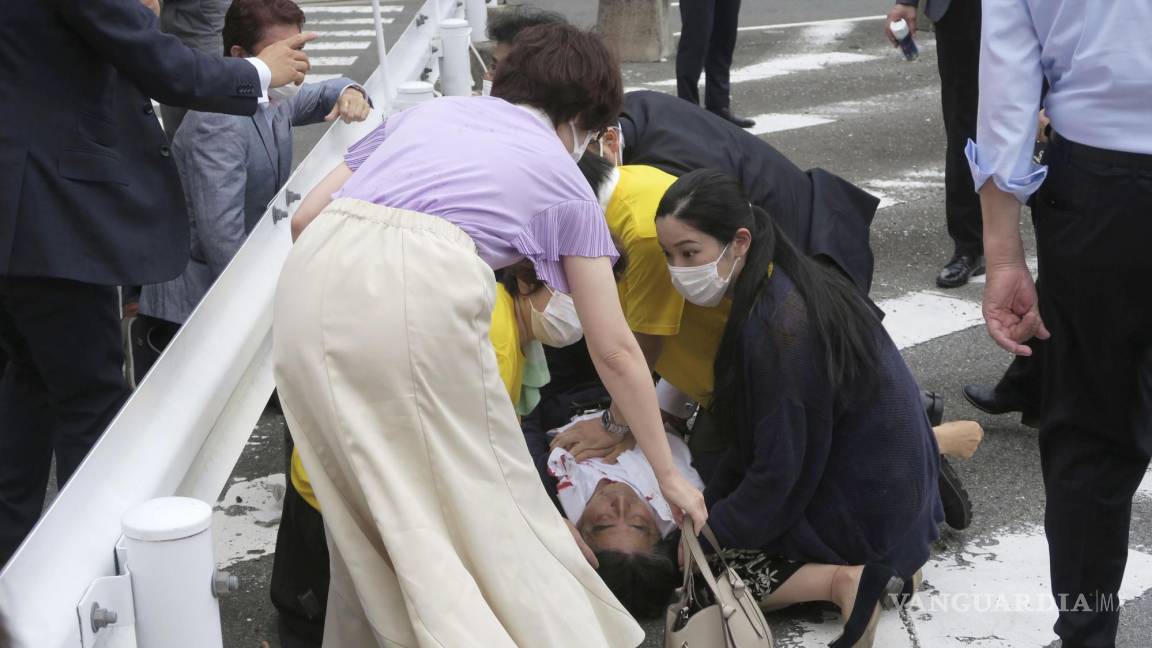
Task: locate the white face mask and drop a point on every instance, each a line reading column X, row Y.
column 283, row 93
column 486, row 88
column 558, row 325
column 579, row 145
column 703, row 285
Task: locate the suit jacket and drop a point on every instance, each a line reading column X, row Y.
column 822, row 214
column 231, row 168
column 88, row 188
column 197, row 23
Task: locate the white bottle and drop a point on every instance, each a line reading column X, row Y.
column 904, row 39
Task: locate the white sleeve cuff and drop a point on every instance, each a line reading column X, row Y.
column 265, row 77
column 1021, row 186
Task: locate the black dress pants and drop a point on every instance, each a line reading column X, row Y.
column 63, row 383
column 958, row 58
column 707, row 41
column 1093, row 225
column 300, row 576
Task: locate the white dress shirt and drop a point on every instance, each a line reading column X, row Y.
column 1097, row 57
column 576, row 482
column 265, row 73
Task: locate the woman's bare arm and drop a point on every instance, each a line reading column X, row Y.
column 624, row 371
column 318, row 198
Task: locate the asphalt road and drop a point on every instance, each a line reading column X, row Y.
column 829, row 94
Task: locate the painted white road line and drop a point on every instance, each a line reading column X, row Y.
column 346, row 21
column 785, row 65
column 342, row 33
column 776, row 122
column 338, row 45
column 908, row 186
column 359, row 9
column 886, row 200
column 245, row 520
column 918, row 317
column 996, row 594
column 1033, row 266
column 826, row 33
column 331, row 61
column 807, row 23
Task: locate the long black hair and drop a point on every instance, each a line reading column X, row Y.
column 716, row 204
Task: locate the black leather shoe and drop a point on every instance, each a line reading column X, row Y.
column 726, row 113
column 933, row 406
column 959, row 270
column 957, row 504
column 994, row 401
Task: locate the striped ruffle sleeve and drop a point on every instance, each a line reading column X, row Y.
column 365, row 147
column 571, row 228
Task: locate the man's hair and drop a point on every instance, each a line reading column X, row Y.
column 505, row 25
column 246, row 20
column 596, row 170
column 643, row 582
column 567, row 72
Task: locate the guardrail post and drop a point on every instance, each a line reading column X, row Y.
column 455, row 69
column 413, row 92
column 381, row 52
column 169, row 548
column 477, row 13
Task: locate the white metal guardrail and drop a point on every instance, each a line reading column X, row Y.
column 184, row 428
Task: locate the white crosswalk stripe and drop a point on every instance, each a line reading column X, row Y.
column 338, row 45
column 348, row 21
column 331, row 61
column 310, row 10
column 776, row 122
column 784, row 65
column 341, row 33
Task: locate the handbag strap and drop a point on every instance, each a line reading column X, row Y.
column 689, row 539
column 692, row 544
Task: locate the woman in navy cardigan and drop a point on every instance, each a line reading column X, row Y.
column 829, row 490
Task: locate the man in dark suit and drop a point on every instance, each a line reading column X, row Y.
column 957, row 24
column 707, row 41
column 89, row 199
column 823, row 214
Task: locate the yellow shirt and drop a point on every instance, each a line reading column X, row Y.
column 505, row 340
column 650, row 301
column 687, row 358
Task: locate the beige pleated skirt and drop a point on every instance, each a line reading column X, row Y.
column 440, row 531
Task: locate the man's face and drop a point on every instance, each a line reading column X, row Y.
column 499, row 53
column 616, row 519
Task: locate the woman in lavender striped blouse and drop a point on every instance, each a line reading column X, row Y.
column 440, row 532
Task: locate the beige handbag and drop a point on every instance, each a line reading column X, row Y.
column 730, row 619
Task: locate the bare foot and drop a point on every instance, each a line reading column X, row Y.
column 959, row 438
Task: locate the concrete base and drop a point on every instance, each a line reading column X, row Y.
column 638, row 30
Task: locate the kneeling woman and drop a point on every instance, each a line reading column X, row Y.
column 832, row 476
